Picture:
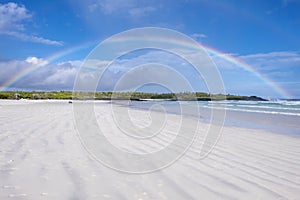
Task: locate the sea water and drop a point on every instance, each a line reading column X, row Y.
column 279, row 116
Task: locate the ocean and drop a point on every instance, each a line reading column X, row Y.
column 278, row 116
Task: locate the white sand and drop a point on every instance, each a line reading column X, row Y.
column 41, row 157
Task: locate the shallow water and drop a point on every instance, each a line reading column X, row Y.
column 280, row 116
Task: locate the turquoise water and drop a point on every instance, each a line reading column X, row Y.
column 277, row 107
column 279, row 116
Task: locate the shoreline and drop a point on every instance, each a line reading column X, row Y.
column 272, row 122
column 39, row 143
column 255, row 120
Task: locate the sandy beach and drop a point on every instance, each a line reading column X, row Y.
column 41, row 157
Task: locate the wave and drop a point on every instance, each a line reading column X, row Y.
column 254, row 111
column 269, row 107
column 241, row 106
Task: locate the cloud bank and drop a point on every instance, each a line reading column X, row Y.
column 237, row 80
column 13, row 18
column 40, row 75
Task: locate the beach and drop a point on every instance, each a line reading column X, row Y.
column 42, row 157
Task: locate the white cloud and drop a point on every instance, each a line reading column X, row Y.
column 273, row 60
column 12, row 20
column 41, row 74
column 140, row 12
column 76, row 63
column 36, row 61
column 31, row 38
column 282, row 67
column 122, row 66
column 133, row 8
column 198, row 36
column 112, row 6
column 63, row 77
column 280, row 54
column 12, row 16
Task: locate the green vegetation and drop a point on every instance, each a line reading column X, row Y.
column 35, row 95
column 184, row 96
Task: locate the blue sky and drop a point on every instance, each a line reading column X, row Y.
column 262, row 34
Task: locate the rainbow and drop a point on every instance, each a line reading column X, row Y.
column 250, row 69
column 52, row 58
column 183, row 43
column 215, row 52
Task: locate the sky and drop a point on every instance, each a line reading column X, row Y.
column 254, row 44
